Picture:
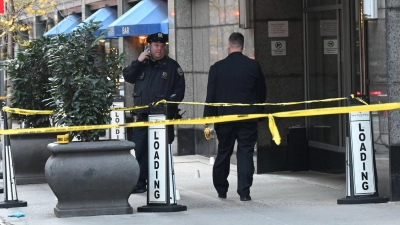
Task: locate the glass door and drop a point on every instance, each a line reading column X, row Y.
column 324, row 70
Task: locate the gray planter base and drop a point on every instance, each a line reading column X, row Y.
column 92, row 178
column 12, row 204
column 30, row 153
column 62, row 213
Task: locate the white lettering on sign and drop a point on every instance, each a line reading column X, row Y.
column 125, row 30
column 362, row 153
column 157, row 161
column 118, row 117
column 156, row 166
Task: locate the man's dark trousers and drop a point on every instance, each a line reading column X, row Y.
column 246, row 135
column 141, row 140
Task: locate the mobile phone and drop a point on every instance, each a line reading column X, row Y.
column 147, row 48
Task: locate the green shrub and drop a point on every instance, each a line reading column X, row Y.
column 83, row 80
column 29, row 76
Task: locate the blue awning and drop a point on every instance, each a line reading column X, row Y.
column 65, row 26
column 146, row 17
column 164, row 26
column 105, row 15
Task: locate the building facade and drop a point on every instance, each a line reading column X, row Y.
column 308, row 50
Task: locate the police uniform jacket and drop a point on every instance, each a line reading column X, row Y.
column 155, row 81
column 235, row 79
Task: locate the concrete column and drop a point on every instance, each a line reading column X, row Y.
column 85, row 10
column 392, row 15
column 181, row 49
column 280, row 71
column 123, row 6
column 38, row 29
column 393, row 66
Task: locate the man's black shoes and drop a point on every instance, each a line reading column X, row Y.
column 222, row 195
column 245, row 198
column 137, row 191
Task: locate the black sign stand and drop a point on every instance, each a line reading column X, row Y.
column 351, row 198
column 171, row 204
column 10, row 188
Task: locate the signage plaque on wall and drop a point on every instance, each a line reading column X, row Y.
column 278, row 48
column 278, row 29
column 330, row 47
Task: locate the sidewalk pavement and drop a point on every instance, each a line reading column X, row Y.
column 278, row 198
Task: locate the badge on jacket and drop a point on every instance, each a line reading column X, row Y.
column 141, row 77
column 180, row 71
column 164, row 75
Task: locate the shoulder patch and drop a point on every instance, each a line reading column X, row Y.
column 180, row 71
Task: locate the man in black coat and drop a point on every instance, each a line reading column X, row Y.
column 156, row 77
column 235, row 79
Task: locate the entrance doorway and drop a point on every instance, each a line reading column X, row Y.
column 327, row 68
column 328, row 74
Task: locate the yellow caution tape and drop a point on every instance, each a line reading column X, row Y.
column 3, row 97
column 207, row 120
column 26, row 111
column 48, row 112
column 218, row 119
column 362, row 101
column 256, row 104
column 130, row 108
column 274, row 130
column 29, row 112
column 56, row 129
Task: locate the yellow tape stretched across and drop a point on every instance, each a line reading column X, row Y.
column 56, row 129
column 30, row 112
column 3, row 97
column 26, row 111
column 48, row 112
column 130, row 108
column 255, row 104
column 218, row 119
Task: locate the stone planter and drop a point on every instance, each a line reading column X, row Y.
column 92, row 178
column 30, row 154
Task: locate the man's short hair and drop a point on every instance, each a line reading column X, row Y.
column 236, row 39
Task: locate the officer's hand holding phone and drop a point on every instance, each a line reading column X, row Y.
column 146, row 54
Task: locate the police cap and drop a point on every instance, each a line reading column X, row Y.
column 157, row 37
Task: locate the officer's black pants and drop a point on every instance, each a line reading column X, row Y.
column 140, row 138
column 246, row 135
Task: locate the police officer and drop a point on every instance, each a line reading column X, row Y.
column 235, row 79
column 156, row 77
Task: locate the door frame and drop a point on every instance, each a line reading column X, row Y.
column 345, row 28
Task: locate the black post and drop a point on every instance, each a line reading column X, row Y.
column 10, row 188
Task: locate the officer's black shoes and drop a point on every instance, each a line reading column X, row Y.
column 137, row 191
column 222, row 195
column 245, row 198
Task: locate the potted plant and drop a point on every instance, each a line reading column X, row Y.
column 29, row 76
column 88, row 176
